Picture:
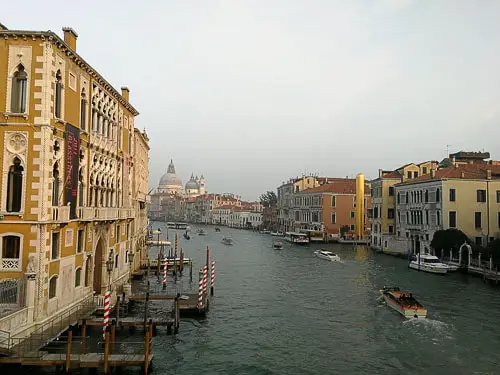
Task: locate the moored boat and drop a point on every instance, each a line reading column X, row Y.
column 297, row 238
column 428, row 263
column 201, row 232
column 265, row 231
column 278, row 245
column 328, row 255
column 403, row 302
column 227, row 241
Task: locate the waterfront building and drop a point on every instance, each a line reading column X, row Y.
column 465, row 196
column 73, row 191
column 270, row 217
column 329, row 207
column 383, row 226
column 244, row 218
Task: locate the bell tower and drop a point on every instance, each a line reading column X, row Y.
column 202, row 185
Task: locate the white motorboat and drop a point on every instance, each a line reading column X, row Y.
column 328, row 255
column 277, row 234
column 428, row 263
column 278, row 245
column 265, row 231
column 297, row 238
column 227, row 241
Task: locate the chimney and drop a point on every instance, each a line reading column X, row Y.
column 380, row 173
column 488, row 174
column 70, row 37
column 433, row 173
column 125, row 93
column 462, row 175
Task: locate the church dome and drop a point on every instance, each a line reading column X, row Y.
column 170, row 178
column 192, row 184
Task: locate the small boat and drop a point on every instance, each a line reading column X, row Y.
column 171, row 225
column 403, row 302
column 278, row 245
column 265, row 231
column 217, row 229
column 328, row 255
column 428, row 263
column 186, row 235
column 201, row 232
column 277, row 234
column 297, row 238
column 227, row 241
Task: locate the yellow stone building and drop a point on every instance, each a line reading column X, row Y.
column 74, row 179
column 384, row 201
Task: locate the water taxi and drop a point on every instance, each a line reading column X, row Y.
column 403, row 302
column 278, row 245
column 277, row 234
column 328, row 255
column 297, row 238
column 227, row 241
column 428, row 263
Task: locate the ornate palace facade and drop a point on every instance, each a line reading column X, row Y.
column 74, row 178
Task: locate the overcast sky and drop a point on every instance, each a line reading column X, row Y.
column 252, row 92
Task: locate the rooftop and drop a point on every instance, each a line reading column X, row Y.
column 339, row 186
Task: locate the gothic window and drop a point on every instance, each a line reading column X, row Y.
column 81, row 192
column 15, row 186
column 18, row 93
column 58, row 96
column 52, row 287
column 130, row 141
column 93, row 119
column 83, row 110
column 78, row 274
column 55, row 185
column 98, row 119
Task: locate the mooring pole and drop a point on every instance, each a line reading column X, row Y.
column 117, row 308
column 68, row 349
column 146, row 311
column 177, row 315
column 191, row 270
column 113, row 335
column 84, row 332
column 106, row 351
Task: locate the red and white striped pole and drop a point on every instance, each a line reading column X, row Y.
column 205, row 272
column 107, row 298
column 212, row 276
column 200, row 290
column 165, row 273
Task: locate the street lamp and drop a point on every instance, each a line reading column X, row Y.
column 130, row 259
column 109, row 267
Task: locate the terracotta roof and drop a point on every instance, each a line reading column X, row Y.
column 460, row 171
column 393, row 174
column 339, row 186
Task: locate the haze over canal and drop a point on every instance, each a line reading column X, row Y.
column 287, row 312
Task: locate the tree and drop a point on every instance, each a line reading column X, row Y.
column 344, row 229
column 268, row 199
column 444, row 240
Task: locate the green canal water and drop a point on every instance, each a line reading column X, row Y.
column 287, row 312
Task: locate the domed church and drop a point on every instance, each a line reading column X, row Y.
column 195, row 186
column 171, row 184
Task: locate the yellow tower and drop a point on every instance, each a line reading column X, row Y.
column 360, row 206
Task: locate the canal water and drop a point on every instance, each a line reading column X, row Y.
column 287, row 312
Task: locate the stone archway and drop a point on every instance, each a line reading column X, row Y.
column 98, row 258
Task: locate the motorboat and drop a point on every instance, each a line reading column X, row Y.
column 201, row 232
column 328, row 255
column 428, row 263
column 278, row 245
column 277, row 234
column 403, row 302
column 265, row 231
column 297, row 238
column 227, row 241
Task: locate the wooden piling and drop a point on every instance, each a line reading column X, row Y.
column 106, row 351
column 191, row 271
column 158, row 266
column 146, row 310
column 113, row 335
column 68, row 349
column 147, row 349
column 117, row 308
column 84, row 332
column 177, row 313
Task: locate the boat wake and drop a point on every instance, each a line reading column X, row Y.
column 431, row 327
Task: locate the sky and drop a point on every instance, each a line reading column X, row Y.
column 250, row 93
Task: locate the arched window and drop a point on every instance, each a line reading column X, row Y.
column 58, row 95
column 78, row 275
column 407, row 198
column 11, row 252
column 426, row 196
column 83, row 110
column 90, row 202
column 55, row 185
column 52, row 287
column 94, row 119
column 88, row 264
column 18, row 90
column 98, row 119
column 15, row 186
column 399, row 197
column 438, row 195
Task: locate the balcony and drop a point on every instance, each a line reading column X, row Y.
column 104, row 213
column 60, row 214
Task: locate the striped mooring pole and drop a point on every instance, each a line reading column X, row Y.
column 105, row 323
column 165, row 273
column 205, row 274
column 200, row 290
column 212, row 278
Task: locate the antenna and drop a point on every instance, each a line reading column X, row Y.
column 448, row 151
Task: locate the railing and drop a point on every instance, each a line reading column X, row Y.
column 10, row 264
column 30, row 346
column 86, row 213
column 60, row 214
column 104, row 213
